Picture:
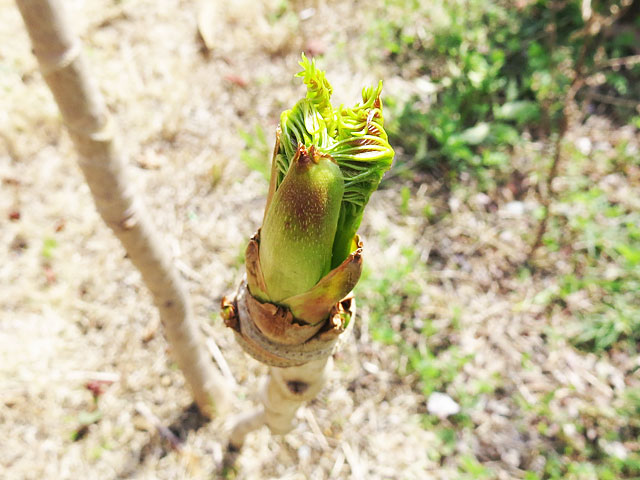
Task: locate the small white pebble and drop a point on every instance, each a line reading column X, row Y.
column 442, row 405
column 307, row 13
column 583, row 144
column 514, row 209
column 482, row 199
column 304, row 453
column 454, row 204
column 615, row 449
column 511, row 457
column 370, row 367
column 569, row 429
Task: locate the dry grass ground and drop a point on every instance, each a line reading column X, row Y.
column 73, row 310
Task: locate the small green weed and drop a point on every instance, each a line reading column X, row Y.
column 49, row 246
column 392, row 294
column 606, row 240
column 470, row 468
column 392, row 298
column 575, row 455
column 257, row 152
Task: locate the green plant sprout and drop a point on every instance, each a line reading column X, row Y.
column 326, row 164
column 306, row 259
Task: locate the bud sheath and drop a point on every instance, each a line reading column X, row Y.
column 300, row 225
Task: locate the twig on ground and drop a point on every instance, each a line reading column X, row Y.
column 221, row 361
column 353, row 461
column 315, row 428
column 164, row 432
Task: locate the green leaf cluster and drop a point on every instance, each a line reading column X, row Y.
column 354, row 137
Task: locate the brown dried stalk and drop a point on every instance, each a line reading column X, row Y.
column 594, row 25
column 565, row 120
column 83, row 110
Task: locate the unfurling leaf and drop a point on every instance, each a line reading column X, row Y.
column 326, row 164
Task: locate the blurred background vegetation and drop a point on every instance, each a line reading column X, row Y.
column 499, row 73
column 506, row 97
column 504, row 87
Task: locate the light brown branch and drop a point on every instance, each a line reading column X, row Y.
column 63, row 67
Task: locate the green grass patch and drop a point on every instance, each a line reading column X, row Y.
column 392, row 297
column 257, row 152
column 490, row 72
column 605, row 240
